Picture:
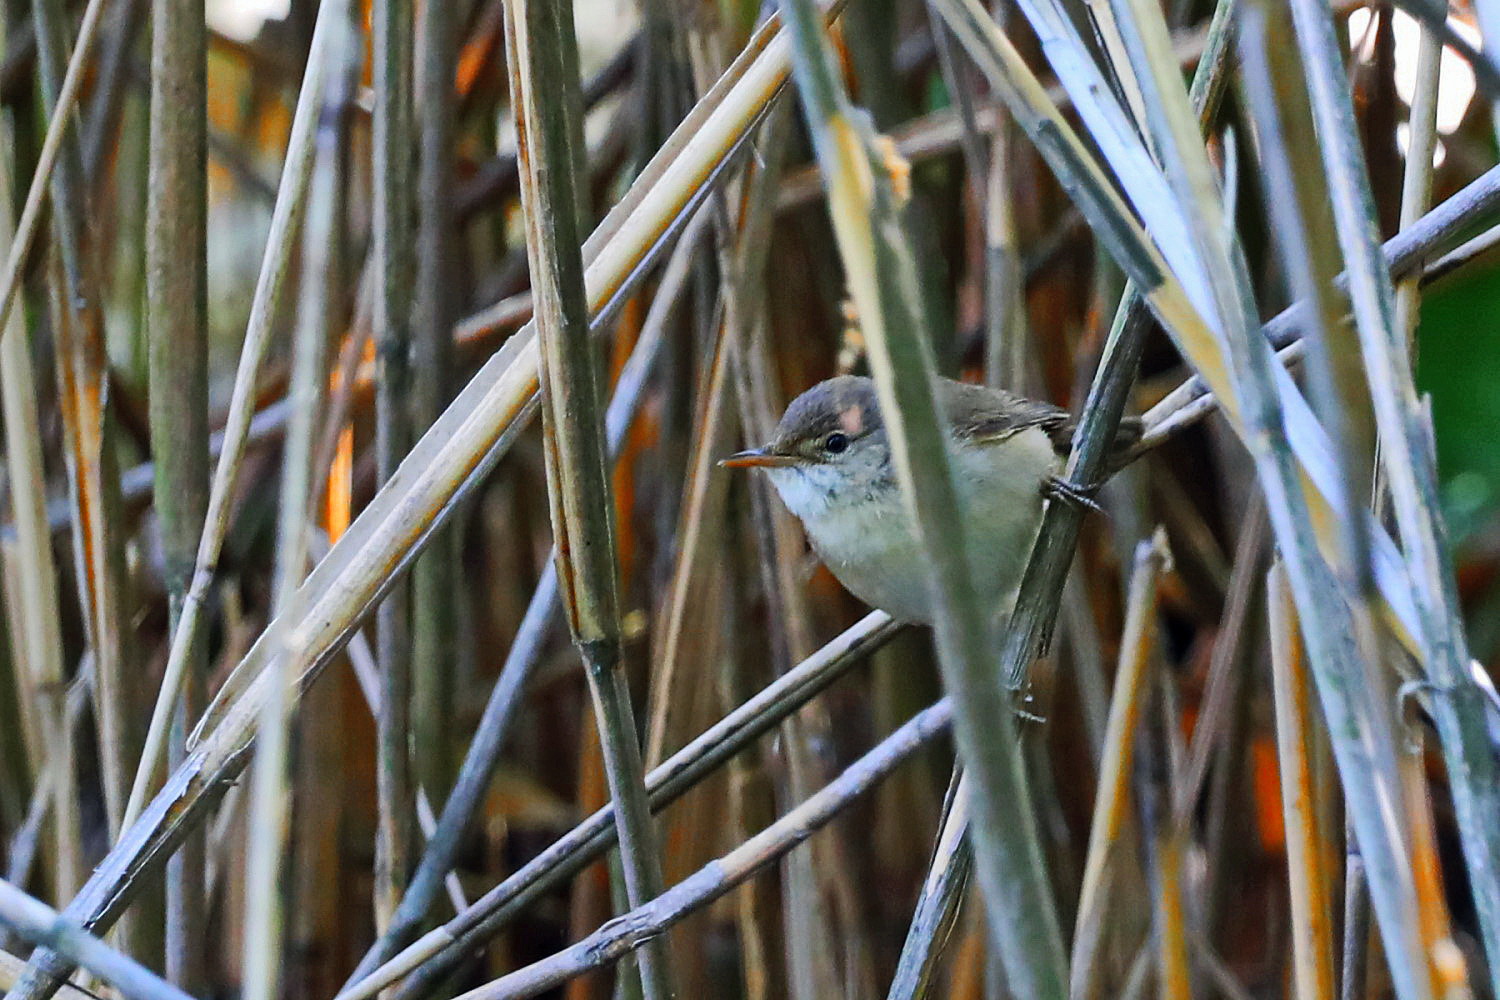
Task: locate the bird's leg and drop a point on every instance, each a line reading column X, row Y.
column 1059, row 489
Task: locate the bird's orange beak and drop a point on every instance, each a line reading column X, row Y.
column 757, row 458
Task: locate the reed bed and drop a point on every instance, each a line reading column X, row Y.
column 330, row 672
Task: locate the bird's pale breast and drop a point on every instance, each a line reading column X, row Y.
column 864, row 535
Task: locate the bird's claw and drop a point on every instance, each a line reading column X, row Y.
column 1059, row 489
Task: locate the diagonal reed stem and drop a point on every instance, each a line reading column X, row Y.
column 645, row 923
column 41, row 925
column 437, row 952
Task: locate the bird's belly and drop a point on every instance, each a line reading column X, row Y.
column 876, row 556
column 877, row 559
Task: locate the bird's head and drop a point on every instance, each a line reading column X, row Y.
column 829, row 444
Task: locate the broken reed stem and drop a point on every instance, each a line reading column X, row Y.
column 543, row 57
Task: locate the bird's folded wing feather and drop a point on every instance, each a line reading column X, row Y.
column 989, row 416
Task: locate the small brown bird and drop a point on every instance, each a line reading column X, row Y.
column 831, row 463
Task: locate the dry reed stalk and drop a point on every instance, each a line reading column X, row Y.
column 1307, row 849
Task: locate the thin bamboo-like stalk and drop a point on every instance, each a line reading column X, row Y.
column 40, row 924
column 25, row 844
column 285, row 218
column 1167, row 844
column 1023, row 920
column 1224, row 669
column 437, row 951
column 1307, row 875
column 391, row 235
column 1355, row 952
column 177, row 321
column 434, row 579
column 1005, row 335
column 702, row 509
column 269, row 820
column 641, row 925
column 1445, row 960
column 36, row 633
column 1107, row 831
column 102, row 119
column 543, row 58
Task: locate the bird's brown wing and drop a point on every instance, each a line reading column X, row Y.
column 985, row 415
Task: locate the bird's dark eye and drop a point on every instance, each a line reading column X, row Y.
column 836, row 443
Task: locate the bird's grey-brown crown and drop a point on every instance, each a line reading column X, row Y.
column 845, row 404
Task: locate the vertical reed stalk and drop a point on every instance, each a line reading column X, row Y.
column 61, row 102
column 285, row 219
column 1109, row 833
column 391, row 226
column 36, row 633
column 1307, row 844
column 433, row 582
column 543, row 58
column 82, row 375
column 177, row 321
